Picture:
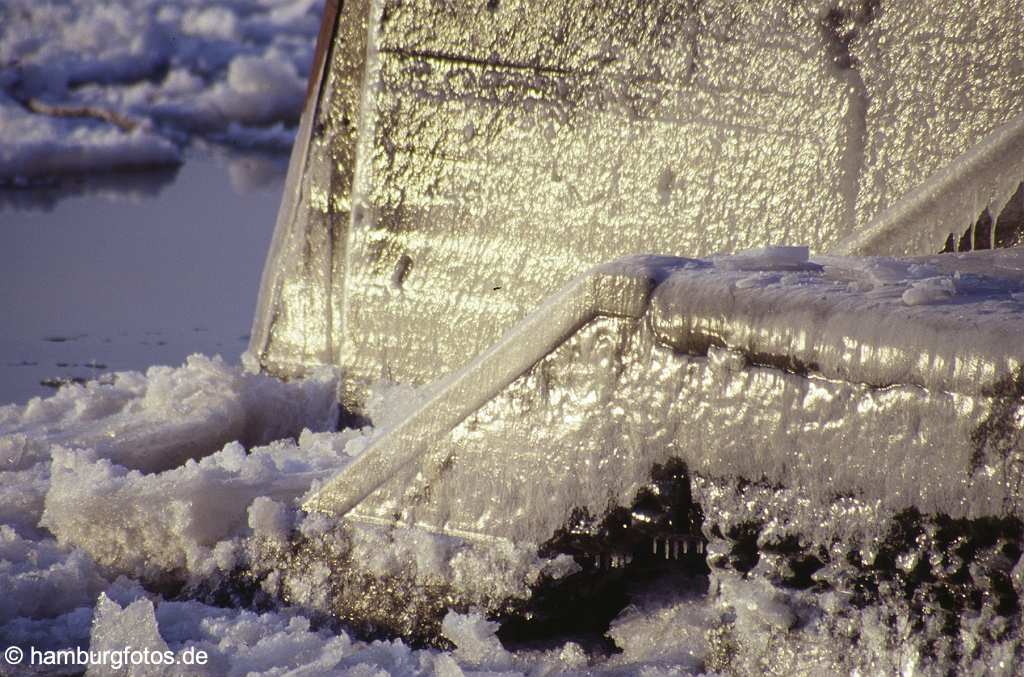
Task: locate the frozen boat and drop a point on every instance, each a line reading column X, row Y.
column 471, row 210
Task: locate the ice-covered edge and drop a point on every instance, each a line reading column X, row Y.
column 948, row 201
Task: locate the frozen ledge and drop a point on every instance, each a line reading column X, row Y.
column 621, row 289
column 875, row 321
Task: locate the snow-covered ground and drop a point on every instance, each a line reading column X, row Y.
column 162, row 72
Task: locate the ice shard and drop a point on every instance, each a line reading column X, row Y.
column 459, row 163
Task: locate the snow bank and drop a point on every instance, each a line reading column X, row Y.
column 226, row 70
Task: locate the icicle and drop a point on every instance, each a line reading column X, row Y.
column 986, row 175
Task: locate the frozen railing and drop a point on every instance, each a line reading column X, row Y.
column 861, row 329
column 618, row 289
column 984, row 177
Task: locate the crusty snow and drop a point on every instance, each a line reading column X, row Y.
column 233, row 72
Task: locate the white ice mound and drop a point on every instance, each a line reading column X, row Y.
column 159, row 420
column 226, row 70
column 475, row 641
column 236, row 643
column 149, row 422
column 670, row 629
column 181, row 521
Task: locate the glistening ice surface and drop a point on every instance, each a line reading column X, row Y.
column 874, row 377
column 464, row 162
column 160, row 509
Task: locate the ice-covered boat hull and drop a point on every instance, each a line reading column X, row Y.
column 835, row 421
column 847, row 433
column 448, row 179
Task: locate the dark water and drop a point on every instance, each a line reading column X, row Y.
column 127, row 271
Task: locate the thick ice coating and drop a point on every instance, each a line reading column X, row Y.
column 820, row 374
column 444, row 185
column 735, row 364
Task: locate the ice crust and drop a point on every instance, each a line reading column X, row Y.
column 465, row 181
column 864, row 375
column 147, row 423
column 234, row 72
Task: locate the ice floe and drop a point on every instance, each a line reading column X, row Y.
column 165, row 71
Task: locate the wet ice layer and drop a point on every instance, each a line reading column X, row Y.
column 894, row 381
column 567, row 136
column 888, row 589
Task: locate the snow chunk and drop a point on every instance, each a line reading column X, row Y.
column 758, row 607
column 671, row 632
column 133, row 626
column 767, row 258
column 930, row 290
column 475, row 640
column 176, row 522
column 213, row 22
column 239, row 643
column 270, row 519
